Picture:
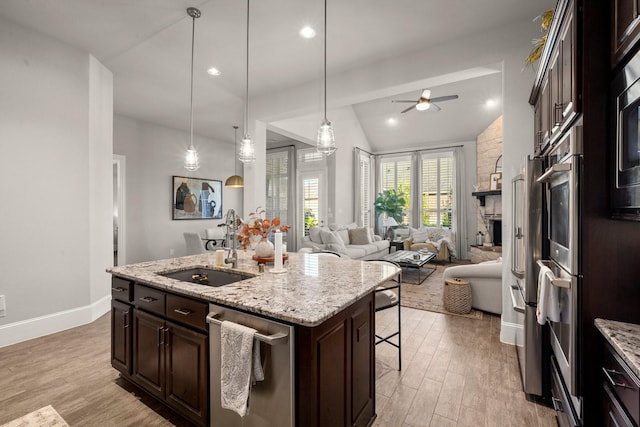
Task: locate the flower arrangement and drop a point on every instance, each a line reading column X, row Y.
column 258, row 226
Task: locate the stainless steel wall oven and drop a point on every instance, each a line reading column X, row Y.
column 562, row 180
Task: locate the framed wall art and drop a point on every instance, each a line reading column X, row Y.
column 196, row 198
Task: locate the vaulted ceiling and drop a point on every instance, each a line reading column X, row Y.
column 147, row 46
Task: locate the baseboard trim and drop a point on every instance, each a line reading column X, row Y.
column 25, row 330
column 508, row 332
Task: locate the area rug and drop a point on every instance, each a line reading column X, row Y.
column 428, row 294
column 43, row 417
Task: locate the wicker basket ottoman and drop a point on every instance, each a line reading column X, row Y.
column 457, row 295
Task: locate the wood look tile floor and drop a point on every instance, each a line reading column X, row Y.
column 455, row 373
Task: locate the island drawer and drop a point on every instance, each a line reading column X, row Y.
column 149, row 299
column 187, row 311
column 121, row 289
column 622, row 381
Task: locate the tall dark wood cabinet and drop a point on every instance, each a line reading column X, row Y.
column 588, row 39
column 336, row 383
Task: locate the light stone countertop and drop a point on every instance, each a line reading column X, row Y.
column 625, row 339
column 312, row 290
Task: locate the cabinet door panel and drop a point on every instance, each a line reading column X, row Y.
column 187, row 373
column 332, row 369
column 362, row 383
column 121, row 337
column 148, row 353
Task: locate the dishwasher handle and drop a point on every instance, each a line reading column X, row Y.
column 274, row 339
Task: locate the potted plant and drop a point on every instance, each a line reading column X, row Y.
column 391, row 203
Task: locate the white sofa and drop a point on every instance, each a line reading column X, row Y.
column 337, row 238
column 485, row 280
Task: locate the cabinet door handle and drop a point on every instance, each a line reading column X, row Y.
column 612, row 417
column 160, row 336
column 126, row 319
column 165, row 336
column 148, row 299
column 183, row 311
column 609, row 372
column 118, row 289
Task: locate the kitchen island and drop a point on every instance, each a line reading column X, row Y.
column 328, row 302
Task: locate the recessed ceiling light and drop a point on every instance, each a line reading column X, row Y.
column 490, row 103
column 307, row 32
column 213, row 71
column 392, row 121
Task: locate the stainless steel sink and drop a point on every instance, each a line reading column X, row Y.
column 206, row 276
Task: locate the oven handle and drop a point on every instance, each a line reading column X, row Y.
column 275, row 339
column 558, row 167
column 555, row 281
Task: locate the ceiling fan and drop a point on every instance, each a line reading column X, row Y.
column 425, row 102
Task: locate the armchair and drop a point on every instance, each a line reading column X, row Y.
column 434, row 239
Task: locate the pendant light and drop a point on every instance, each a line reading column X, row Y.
column 326, row 140
column 191, row 158
column 235, row 181
column 247, row 150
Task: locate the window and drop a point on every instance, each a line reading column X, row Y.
column 310, row 202
column 396, row 174
column 277, row 191
column 365, row 191
column 437, row 189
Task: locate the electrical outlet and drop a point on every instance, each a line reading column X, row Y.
column 172, row 252
column 3, row 308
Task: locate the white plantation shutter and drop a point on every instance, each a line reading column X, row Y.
column 437, row 189
column 277, row 183
column 366, row 204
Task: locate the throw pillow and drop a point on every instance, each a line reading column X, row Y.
column 359, row 236
column 419, row 236
column 314, row 234
column 329, row 237
column 344, row 235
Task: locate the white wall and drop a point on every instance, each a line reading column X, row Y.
column 55, row 166
column 153, row 155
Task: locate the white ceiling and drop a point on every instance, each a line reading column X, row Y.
column 147, row 46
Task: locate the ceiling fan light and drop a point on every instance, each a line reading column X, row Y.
column 326, row 143
column 423, row 105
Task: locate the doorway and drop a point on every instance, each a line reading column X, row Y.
column 119, row 228
column 313, row 200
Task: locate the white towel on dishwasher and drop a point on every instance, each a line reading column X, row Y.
column 548, row 298
column 240, row 366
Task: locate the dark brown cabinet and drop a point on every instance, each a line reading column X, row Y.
column 171, row 363
column 621, row 397
column 625, row 28
column 159, row 341
column 556, row 98
column 336, row 381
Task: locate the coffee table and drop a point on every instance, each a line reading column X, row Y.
column 412, row 259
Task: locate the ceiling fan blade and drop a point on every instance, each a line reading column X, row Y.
column 434, row 108
column 407, row 109
column 403, row 100
column 426, row 94
column 444, row 98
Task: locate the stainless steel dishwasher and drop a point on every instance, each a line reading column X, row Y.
column 272, row 400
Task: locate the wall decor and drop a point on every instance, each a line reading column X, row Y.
column 495, row 180
column 196, row 198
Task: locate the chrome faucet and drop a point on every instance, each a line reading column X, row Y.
column 232, row 226
column 232, row 258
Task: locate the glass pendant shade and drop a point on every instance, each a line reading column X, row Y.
column 191, row 159
column 247, row 150
column 326, row 140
